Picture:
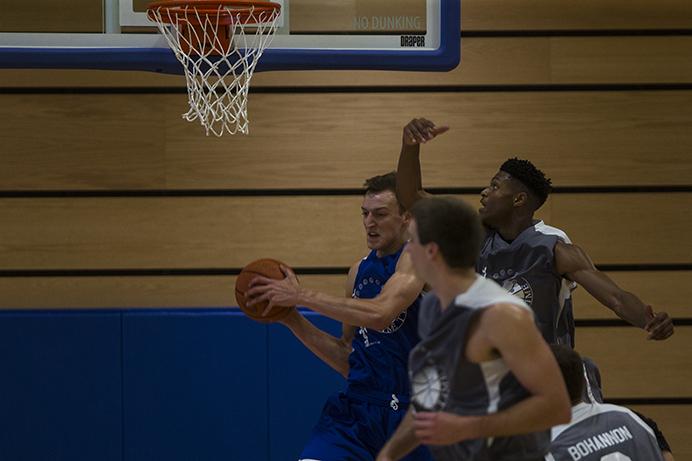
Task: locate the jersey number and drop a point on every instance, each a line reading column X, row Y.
column 617, row 456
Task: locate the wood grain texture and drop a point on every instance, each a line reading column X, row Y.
column 47, row 16
column 82, row 141
column 338, row 15
column 136, row 292
column 331, row 140
column 633, row 367
column 496, row 15
column 180, row 232
column 667, row 291
column 626, row 228
column 223, row 232
column 675, row 422
column 532, row 60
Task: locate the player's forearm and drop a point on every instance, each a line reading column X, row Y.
column 409, row 184
column 402, row 442
column 534, row 414
column 353, row 311
column 331, row 350
column 629, row 308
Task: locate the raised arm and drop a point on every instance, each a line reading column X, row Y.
column 331, row 350
column 575, row 264
column 397, row 294
column 510, row 332
column 408, row 174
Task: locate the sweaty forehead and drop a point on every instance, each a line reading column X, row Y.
column 501, row 176
column 384, row 199
column 508, row 181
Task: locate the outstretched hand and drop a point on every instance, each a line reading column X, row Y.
column 660, row 325
column 282, row 292
column 420, row 131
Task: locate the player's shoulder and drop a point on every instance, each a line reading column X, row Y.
column 485, row 293
column 545, row 229
column 404, row 263
column 353, row 270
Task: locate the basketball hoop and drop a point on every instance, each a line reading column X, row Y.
column 219, row 43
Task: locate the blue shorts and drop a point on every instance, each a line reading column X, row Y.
column 353, row 429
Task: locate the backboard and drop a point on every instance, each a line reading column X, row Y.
column 420, row 35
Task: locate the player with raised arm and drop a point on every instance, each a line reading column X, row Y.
column 524, row 254
column 382, row 297
column 529, row 258
column 484, row 383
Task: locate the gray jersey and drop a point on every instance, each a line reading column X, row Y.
column 526, row 268
column 601, row 432
column 442, row 379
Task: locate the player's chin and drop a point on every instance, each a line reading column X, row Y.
column 374, row 242
column 485, row 217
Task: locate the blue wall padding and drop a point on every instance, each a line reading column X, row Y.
column 174, row 385
column 299, row 384
column 60, row 386
column 195, row 387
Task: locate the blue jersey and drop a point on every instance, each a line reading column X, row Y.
column 355, row 424
column 378, row 362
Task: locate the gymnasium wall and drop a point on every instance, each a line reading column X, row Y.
column 116, row 211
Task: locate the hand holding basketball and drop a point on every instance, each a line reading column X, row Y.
column 253, row 290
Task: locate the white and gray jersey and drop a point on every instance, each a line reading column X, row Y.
column 442, row 379
column 602, row 432
column 526, row 268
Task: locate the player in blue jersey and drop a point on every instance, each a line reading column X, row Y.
column 379, row 316
column 484, row 383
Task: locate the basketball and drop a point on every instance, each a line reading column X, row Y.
column 267, row 268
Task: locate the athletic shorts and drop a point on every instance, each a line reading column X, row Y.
column 355, row 429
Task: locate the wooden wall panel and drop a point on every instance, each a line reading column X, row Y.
column 668, row 291
column 675, row 422
column 484, row 15
column 213, row 232
column 136, row 292
column 631, row 366
column 614, row 59
column 627, row 228
column 47, row 16
column 533, row 60
column 495, row 15
column 82, row 141
column 180, row 232
column 329, row 140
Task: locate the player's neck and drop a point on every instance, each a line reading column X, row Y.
column 515, row 226
column 391, row 249
column 450, row 283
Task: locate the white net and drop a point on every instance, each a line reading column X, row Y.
column 219, row 46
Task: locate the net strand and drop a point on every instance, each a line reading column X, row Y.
column 217, row 71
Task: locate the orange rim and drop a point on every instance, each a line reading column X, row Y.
column 181, row 8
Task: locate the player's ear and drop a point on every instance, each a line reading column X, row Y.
column 406, row 216
column 520, row 199
column 431, row 249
